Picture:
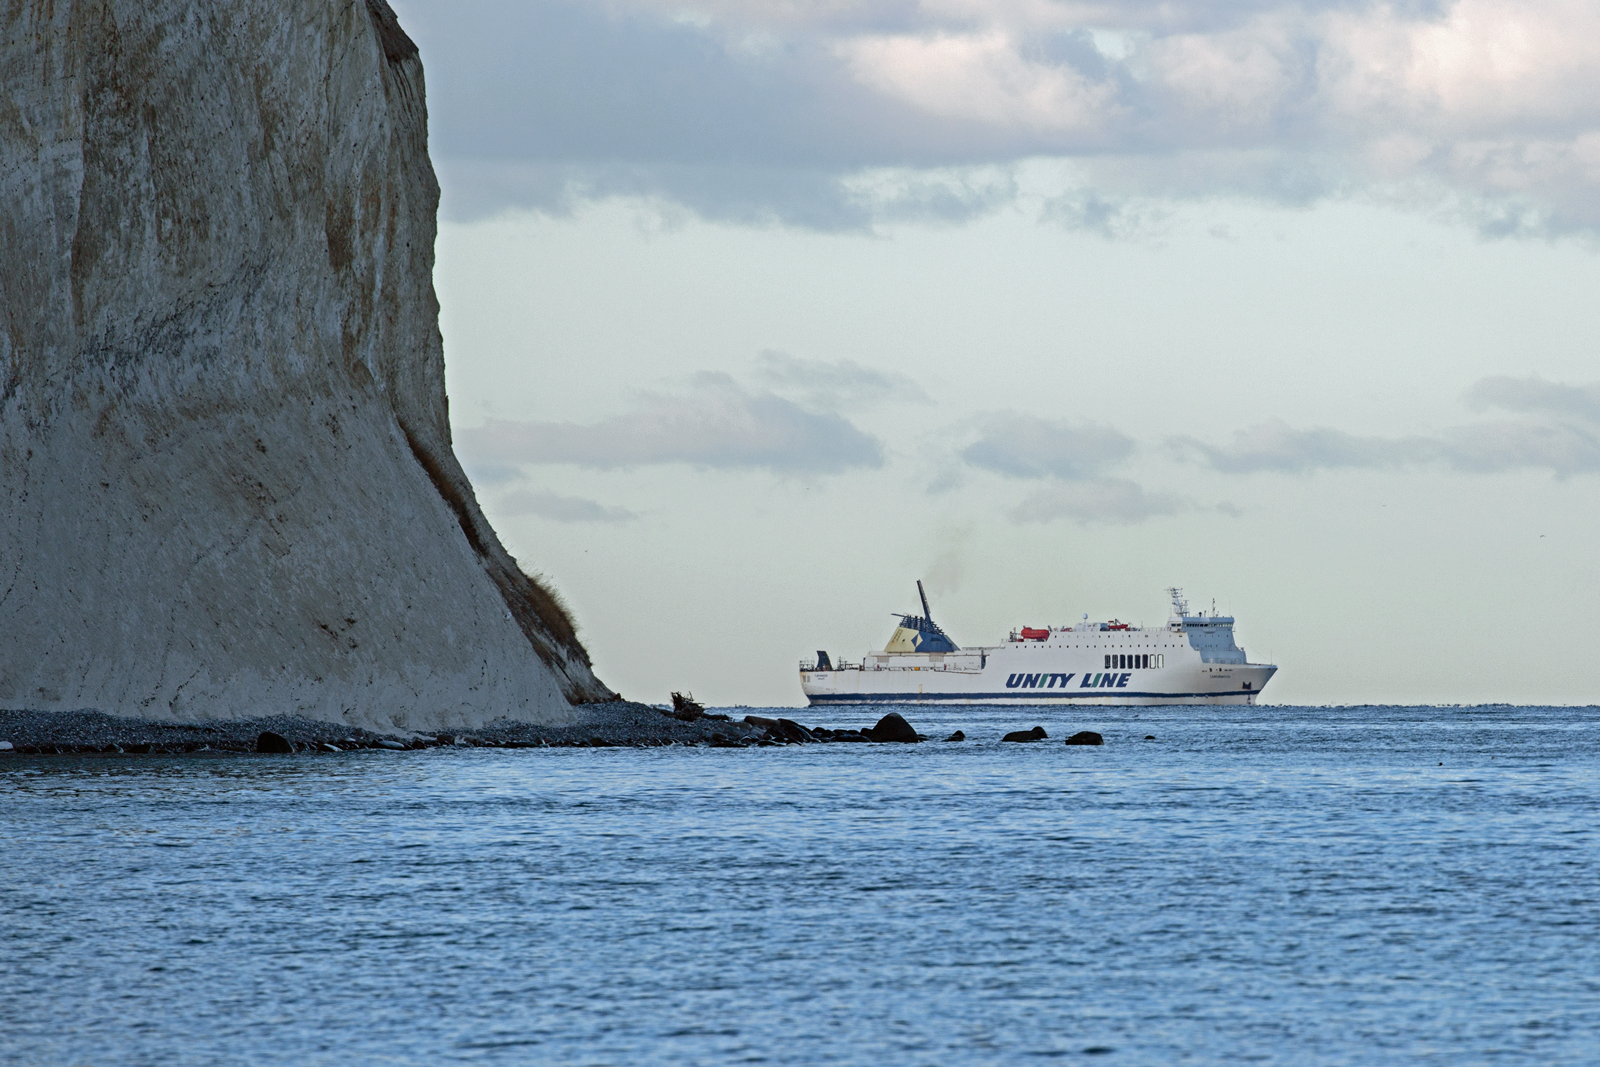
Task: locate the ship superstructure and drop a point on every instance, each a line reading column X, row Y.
column 1191, row 660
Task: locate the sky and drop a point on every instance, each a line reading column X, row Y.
column 756, row 313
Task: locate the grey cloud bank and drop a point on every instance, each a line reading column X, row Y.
column 1537, row 396
column 561, row 508
column 1073, row 459
column 1479, row 109
column 1559, row 433
column 1025, row 446
column 842, row 384
column 716, row 424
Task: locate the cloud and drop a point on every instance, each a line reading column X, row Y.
column 1089, row 212
column 836, row 386
column 493, row 473
column 1562, row 448
column 1105, row 500
column 1482, row 110
column 1073, row 460
column 715, row 424
column 1534, row 395
column 561, row 508
column 1276, row 446
column 1024, row 446
column 1560, row 432
column 986, row 78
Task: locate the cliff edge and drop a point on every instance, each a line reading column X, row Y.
column 227, row 486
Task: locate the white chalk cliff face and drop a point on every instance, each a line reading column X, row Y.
column 226, row 479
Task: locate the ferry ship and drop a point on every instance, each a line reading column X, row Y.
column 1190, row 660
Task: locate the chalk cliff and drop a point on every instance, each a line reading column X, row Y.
column 227, row 486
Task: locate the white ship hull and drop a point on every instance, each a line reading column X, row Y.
column 1191, row 660
column 917, row 684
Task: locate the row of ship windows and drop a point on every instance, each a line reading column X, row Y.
column 1142, row 661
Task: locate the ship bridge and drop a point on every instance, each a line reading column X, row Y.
column 1210, row 635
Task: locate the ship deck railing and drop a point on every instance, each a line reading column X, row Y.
column 944, row 668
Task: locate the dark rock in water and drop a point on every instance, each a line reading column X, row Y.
column 1149, row 737
column 782, row 729
column 144, row 746
column 446, row 739
column 1035, row 734
column 893, row 728
column 794, row 731
column 269, row 742
column 1086, row 737
column 849, row 737
column 957, row 736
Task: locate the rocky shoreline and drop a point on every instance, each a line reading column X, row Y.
column 608, row 725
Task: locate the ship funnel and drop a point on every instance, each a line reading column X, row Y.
column 919, row 633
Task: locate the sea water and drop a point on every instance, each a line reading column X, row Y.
column 1274, row 885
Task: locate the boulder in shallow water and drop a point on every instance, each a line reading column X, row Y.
column 795, row 732
column 782, row 729
column 1086, row 737
column 274, row 743
column 957, row 736
column 1035, row 734
column 893, row 728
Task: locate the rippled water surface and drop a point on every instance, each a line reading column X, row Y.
column 1271, row 885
